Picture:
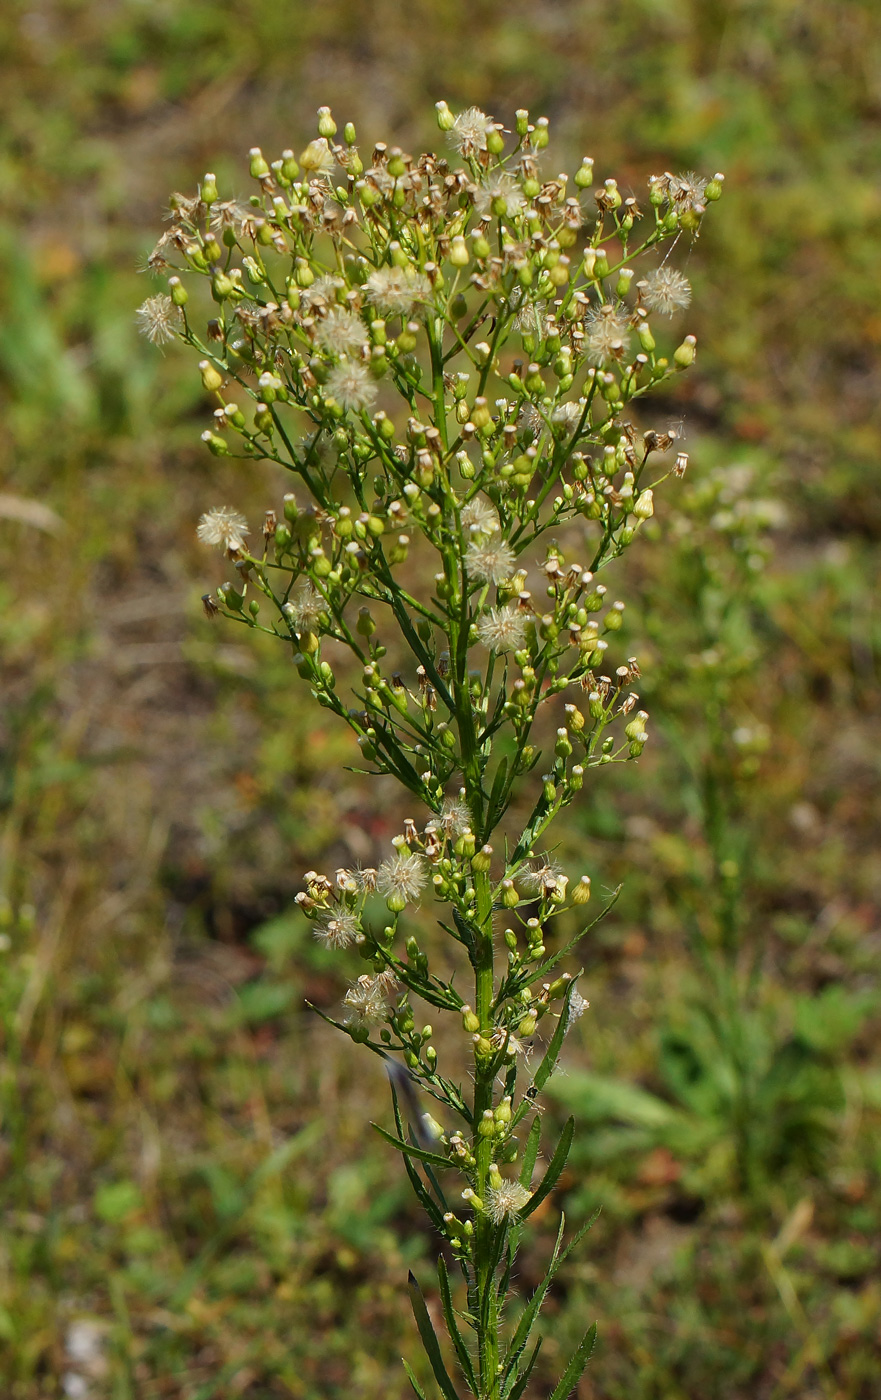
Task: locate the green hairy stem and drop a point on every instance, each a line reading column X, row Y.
column 444, row 351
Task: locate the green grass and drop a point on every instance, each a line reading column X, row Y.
column 184, row 1151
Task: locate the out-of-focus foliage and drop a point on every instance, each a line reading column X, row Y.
column 191, row 1206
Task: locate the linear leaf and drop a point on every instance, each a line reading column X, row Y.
column 530, row 1312
column 554, row 1171
column 413, row 1381
column 530, row 1152
column 419, row 1153
column 429, row 1339
column 523, row 1378
column 573, row 1372
column 424, row 1197
column 456, row 1337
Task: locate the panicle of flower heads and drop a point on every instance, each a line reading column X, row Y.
column 304, row 607
column 352, row 385
column 367, row 999
column 666, row 291
column 607, row 334
column 506, row 1200
column 398, row 291
column 454, row 817
column 469, row 131
column 341, row 332
column 502, row 629
column 402, row 877
column 158, row 319
column 337, row 928
column 479, row 517
column 490, row 561
column 499, row 189
column 224, row 526
column 543, row 878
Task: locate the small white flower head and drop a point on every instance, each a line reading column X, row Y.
column 506, row 1200
column 223, row 526
column 688, row 191
column 577, row 1008
column 454, row 818
column 158, row 319
column 304, row 607
column 318, row 158
column 503, row 629
column 322, row 291
column 367, row 1001
column 398, row 291
column 479, row 517
column 607, row 334
column 570, row 414
column 351, row 384
column 469, row 131
column 401, row 878
column 490, row 561
column 337, row 928
column 544, row 878
column 341, row 332
column 531, row 316
column 499, row 195
column 666, row 291
column 531, row 418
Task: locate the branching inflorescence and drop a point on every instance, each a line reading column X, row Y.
column 444, row 352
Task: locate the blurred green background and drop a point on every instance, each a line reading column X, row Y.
column 192, row 1203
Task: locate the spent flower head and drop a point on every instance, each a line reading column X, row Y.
column 224, row 526
column 159, row 319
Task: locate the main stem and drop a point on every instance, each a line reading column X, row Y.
column 488, row 1334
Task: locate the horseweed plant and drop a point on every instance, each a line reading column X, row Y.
column 341, row 286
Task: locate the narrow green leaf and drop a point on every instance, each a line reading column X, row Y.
column 497, row 803
column 451, row 1320
column 573, row 1372
column 530, row 1152
column 431, row 1158
column 523, row 1378
column 413, row 1381
column 554, row 1171
column 530, row 1313
column 424, row 1197
column 429, row 1339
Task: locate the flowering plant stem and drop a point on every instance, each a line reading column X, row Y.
column 372, row 289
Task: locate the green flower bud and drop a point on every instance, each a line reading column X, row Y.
column 258, row 166
column 215, row 444
column 208, row 189
column 326, row 125
column 469, row 1020
column 541, row 137
column 643, row 506
column 178, row 292
column 212, row 379
column 581, row 892
column 714, row 188
column 684, row 355
column 584, row 175
column 445, row 119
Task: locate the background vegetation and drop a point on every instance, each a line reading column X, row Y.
column 192, row 1204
